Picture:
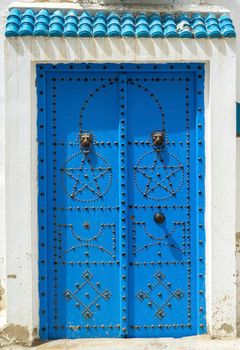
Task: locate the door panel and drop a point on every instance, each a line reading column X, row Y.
column 121, row 220
column 162, row 182
column 83, row 227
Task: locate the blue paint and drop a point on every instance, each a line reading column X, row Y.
column 114, row 25
column 27, row 23
column 42, row 23
column 142, row 27
column 56, row 26
column 71, row 24
column 226, row 25
column 184, row 26
column 85, row 24
column 100, row 25
column 213, row 26
column 13, row 22
column 169, row 25
column 156, row 28
column 106, row 268
column 128, row 25
column 238, row 118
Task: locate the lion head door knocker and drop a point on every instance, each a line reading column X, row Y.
column 158, row 140
column 86, row 140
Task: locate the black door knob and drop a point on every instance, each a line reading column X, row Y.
column 159, row 218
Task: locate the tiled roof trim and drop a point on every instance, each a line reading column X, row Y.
column 72, row 24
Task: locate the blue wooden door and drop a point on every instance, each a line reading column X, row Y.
column 121, row 200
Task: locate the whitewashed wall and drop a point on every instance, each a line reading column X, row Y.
column 233, row 5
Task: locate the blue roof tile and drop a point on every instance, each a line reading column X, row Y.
column 42, row 20
column 56, row 24
column 156, row 27
column 114, row 25
column 128, row 25
column 85, row 24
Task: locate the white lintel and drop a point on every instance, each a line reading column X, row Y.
column 134, row 8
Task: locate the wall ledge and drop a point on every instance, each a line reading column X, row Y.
column 120, row 8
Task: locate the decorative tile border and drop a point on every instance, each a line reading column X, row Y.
column 85, row 24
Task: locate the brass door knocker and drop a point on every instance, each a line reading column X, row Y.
column 158, row 140
column 86, row 142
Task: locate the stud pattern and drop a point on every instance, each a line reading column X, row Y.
column 89, row 183
column 153, row 175
column 154, row 247
column 96, row 233
column 150, row 240
column 159, row 307
column 95, row 241
column 86, row 307
column 85, row 24
column 123, row 156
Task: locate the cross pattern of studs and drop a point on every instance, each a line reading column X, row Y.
column 159, row 308
column 87, row 309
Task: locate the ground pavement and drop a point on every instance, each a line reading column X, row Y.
column 190, row 343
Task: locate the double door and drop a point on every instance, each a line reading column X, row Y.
column 121, row 222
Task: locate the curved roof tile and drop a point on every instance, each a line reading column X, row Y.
column 85, row 24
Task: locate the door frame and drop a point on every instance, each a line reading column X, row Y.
column 21, row 57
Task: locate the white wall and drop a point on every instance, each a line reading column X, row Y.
column 3, row 5
column 22, row 55
column 233, row 5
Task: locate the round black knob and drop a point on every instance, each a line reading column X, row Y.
column 159, row 218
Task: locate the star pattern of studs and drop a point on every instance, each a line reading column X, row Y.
column 158, row 180
column 89, row 307
column 159, row 308
column 88, row 181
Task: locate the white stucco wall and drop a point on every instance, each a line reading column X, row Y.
column 3, row 5
column 233, row 5
column 21, row 184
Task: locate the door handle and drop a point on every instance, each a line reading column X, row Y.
column 159, row 218
column 158, row 139
column 86, row 142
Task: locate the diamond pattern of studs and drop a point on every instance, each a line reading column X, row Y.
column 87, row 308
column 159, row 307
